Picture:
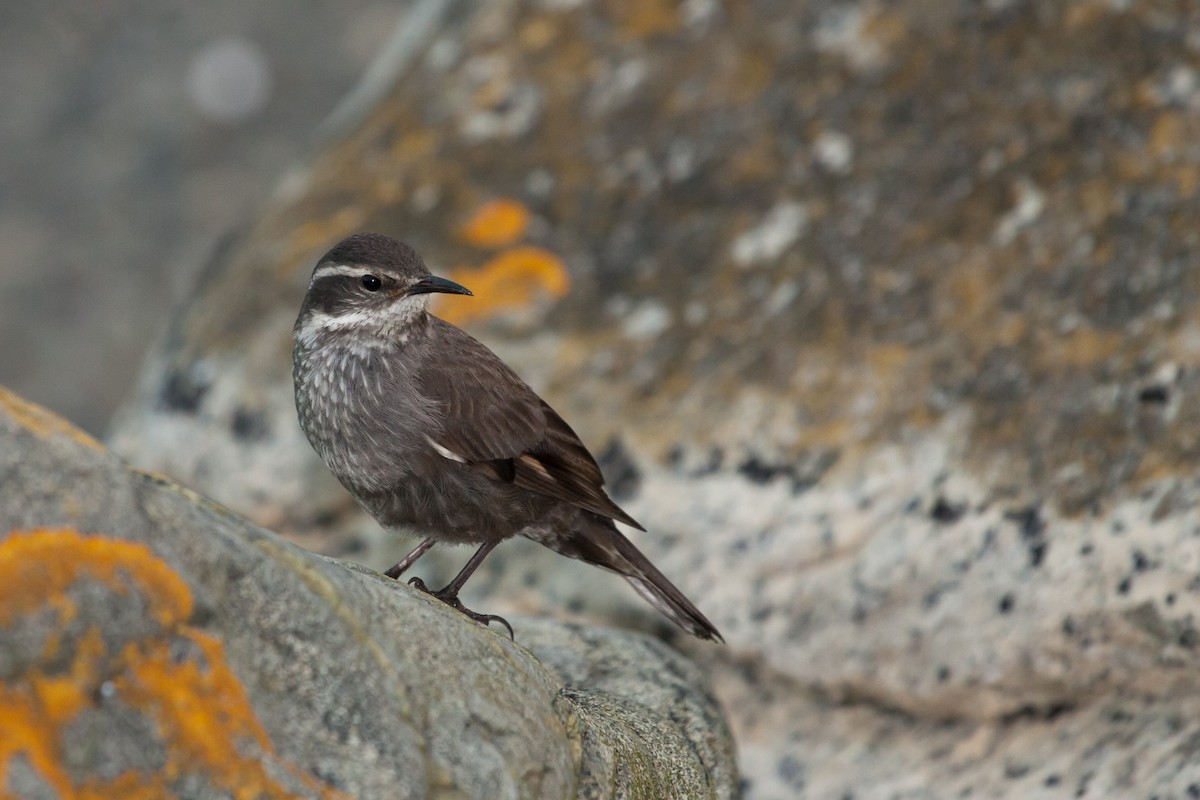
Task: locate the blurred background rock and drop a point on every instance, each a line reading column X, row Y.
column 135, row 134
column 883, row 317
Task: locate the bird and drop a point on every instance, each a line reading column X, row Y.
column 431, row 432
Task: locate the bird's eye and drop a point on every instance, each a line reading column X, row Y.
column 371, row 283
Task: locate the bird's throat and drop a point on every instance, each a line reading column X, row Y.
column 390, row 324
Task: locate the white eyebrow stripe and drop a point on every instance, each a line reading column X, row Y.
column 350, row 319
column 319, row 322
column 344, row 270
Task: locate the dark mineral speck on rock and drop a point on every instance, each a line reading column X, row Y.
column 946, row 512
column 249, row 425
column 620, row 471
column 183, row 392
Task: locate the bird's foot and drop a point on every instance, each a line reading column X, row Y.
column 450, row 598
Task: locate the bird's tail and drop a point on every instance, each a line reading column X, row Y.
column 603, row 545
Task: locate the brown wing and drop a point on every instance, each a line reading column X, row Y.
column 494, row 422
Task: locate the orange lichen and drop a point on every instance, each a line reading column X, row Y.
column 1083, row 347
column 200, row 709
column 537, row 33
column 644, row 19
column 412, row 145
column 41, row 422
column 127, row 786
column 37, row 567
column 30, row 718
column 1010, row 328
column 498, row 223
column 1168, row 135
column 203, row 713
column 1082, row 15
column 885, row 31
column 514, row 279
column 833, row 433
column 1186, row 179
column 30, row 732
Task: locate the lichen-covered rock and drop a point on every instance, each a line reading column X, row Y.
column 883, row 317
column 154, row 644
column 626, row 689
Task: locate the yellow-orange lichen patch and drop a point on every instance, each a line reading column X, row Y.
column 643, row 19
column 1168, row 135
column 498, row 223
column 203, row 716
column 538, row 33
column 30, row 732
column 415, row 144
column 30, row 716
column 512, row 280
column 1082, row 347
column 1186, row 178
column 127, row 786
column 38, row 566
column 203, row 713
column 41, row 422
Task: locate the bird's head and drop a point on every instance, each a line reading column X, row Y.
column 369, row 284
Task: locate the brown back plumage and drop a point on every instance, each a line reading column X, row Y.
column 496, row 423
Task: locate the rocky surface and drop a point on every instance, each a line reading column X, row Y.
column 883, row 317
column 153, row 643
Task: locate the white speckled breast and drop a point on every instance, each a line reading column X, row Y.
column 357, row 409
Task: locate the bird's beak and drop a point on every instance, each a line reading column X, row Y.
column 432, row 283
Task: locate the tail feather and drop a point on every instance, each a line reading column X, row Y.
column 604, row 546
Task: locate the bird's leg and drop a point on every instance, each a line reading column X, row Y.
column 449, row 594
column 410, row 559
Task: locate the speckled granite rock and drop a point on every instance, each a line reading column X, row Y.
column 795, row 743
column 153, row 643
column 884, row 318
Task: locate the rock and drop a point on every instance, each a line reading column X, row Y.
column 797, row 743
column 629, row 689
column 153, row 641
column 887, row 318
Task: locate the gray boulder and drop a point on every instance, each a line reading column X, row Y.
column 153, row 641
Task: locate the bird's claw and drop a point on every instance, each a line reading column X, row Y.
column 451, row 599
column 483, row 619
